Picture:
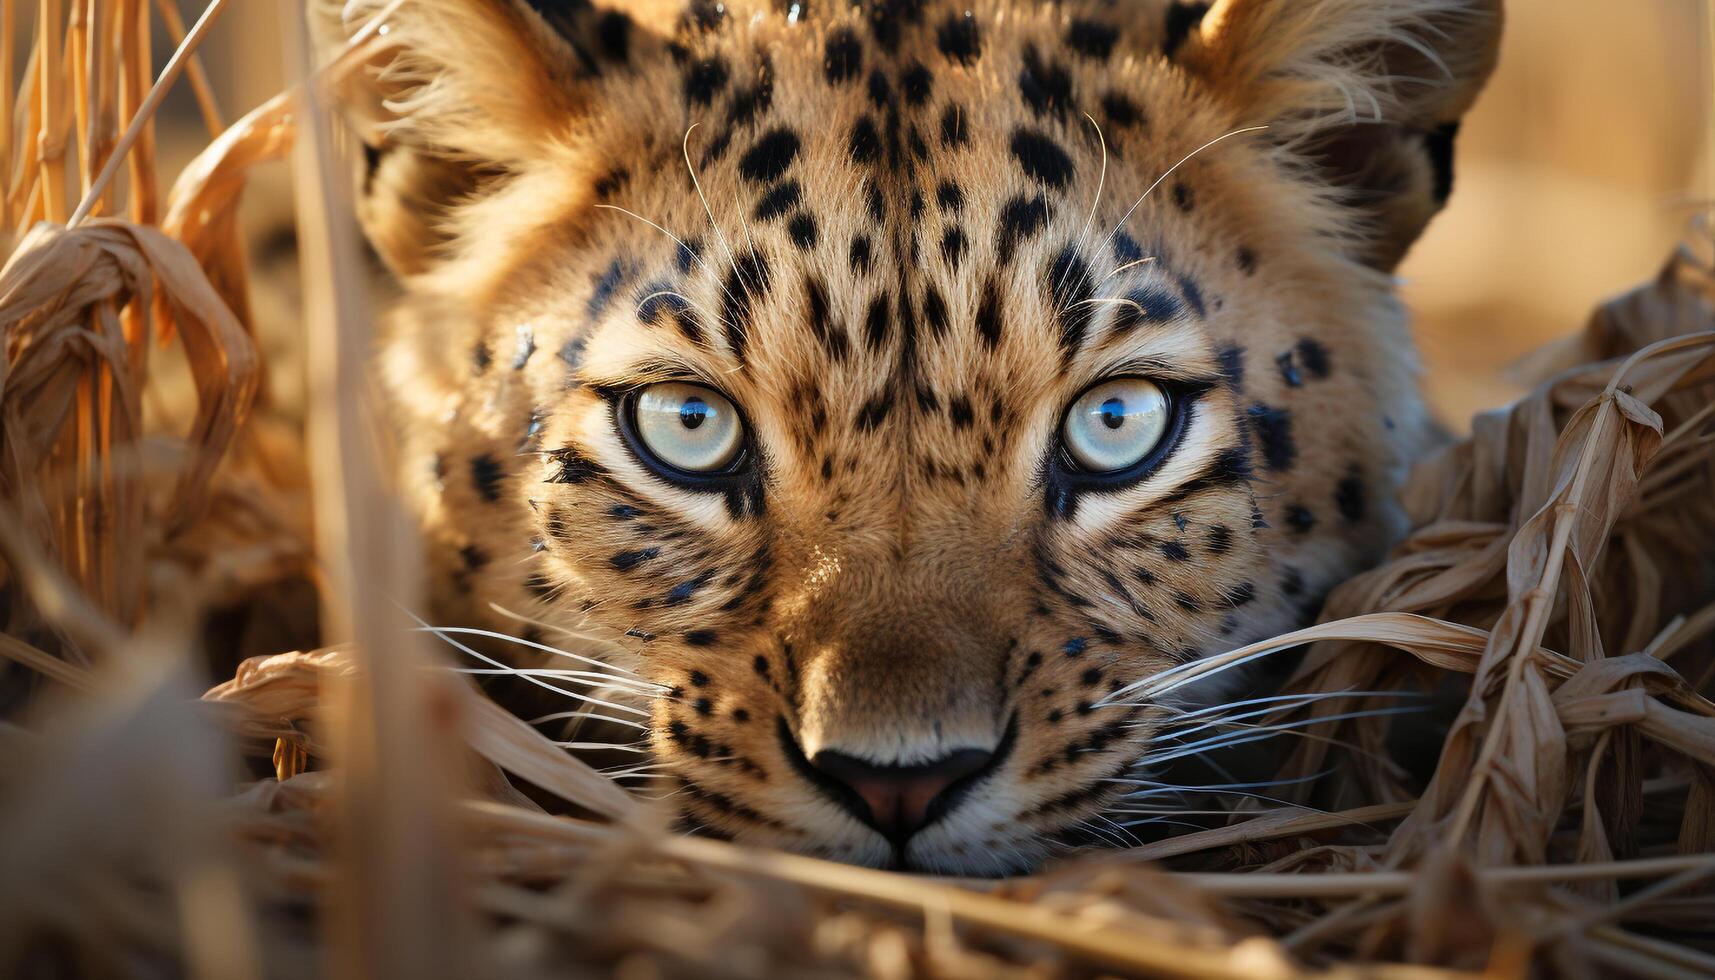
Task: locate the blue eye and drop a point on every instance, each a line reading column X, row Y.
column 1115, row 424
column 688, row 427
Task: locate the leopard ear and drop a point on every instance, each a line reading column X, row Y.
column 464, row 93
column 1370, row 91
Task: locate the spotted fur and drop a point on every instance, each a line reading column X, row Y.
column 902, row 235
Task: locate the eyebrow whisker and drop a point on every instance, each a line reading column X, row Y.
column 1169, row 172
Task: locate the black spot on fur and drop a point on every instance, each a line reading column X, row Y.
column 1289, row 372
column 1299, row 518
column 1231, row 358
column 689, row 252
column 610, row 182
column 877, row 207
column 1046, row 86
column 802, row 228
column 1145, row 305
column 1181, row 19
column 1193, row 294
column 1041, row 157
column 480, row 357
column 486, row 474
column 959, row 412
column 1175, row 551
column 1020, row 219
column 950, row 197
column 935, row 310
column 1126, row 249
column 989, row 322
column 1349, row 495
column 604, row 286
column 1273, row 427
column 880, row 90
column 915, row 83
column 1246, row 258
column 958, row 37
column 860, row 254
column 865, row 142
column 569, row 465
column 768, row 158
column 875, row 411
column 831, row 335
column 705, row 79
column 953, row 130
column 625, row 561
column 1092, row 38
column 842, row 56
column 781, row 198
column 1121, row 111
column 1220, row 539
column 1183, row 199
column 952, row 246
column 748, row 276
column 875, row 323
column 613, row 34
column 1072, row 284
column 701, row 638
column 1314, row 356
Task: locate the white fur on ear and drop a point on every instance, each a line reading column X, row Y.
column 1300, row 66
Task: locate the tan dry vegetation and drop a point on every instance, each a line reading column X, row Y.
column 1560, row 581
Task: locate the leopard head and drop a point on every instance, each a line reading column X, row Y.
column 890, row 385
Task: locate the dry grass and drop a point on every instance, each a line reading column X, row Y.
column 1560, row 580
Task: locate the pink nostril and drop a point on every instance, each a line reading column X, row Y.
column 899, row 800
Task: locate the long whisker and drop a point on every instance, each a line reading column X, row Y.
column 1101, row 184
column 603, row 667
column 1247, row 735
column 601, row 747
column 688, row 250
column 590, row 715
column 574, row 695
column 1298, row 700
column 685, row 149
column 1129, row 265
column 1169, row 172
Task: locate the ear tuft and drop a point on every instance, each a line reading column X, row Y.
column 1300, row 65
column 1368, row 91
column 482, row 80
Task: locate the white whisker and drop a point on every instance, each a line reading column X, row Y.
column 590, row 715
column 1169, row 172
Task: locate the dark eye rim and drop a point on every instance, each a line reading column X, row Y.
column 1181, row 397
column 738, row 471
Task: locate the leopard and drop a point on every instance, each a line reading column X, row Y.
column 868, row 396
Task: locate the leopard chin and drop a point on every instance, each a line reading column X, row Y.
column 881, row 392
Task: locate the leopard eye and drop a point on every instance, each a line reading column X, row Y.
column 688, row 427
column 1114, row 425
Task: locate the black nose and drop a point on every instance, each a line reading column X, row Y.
column 901, row 800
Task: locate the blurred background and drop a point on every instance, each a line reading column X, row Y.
column 1577, row 172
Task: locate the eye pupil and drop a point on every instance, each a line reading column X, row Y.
column 1113, row 413
column 693, row 412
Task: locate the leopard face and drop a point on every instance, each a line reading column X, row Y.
column 890, row 384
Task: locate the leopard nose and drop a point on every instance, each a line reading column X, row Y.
column 901, row 800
